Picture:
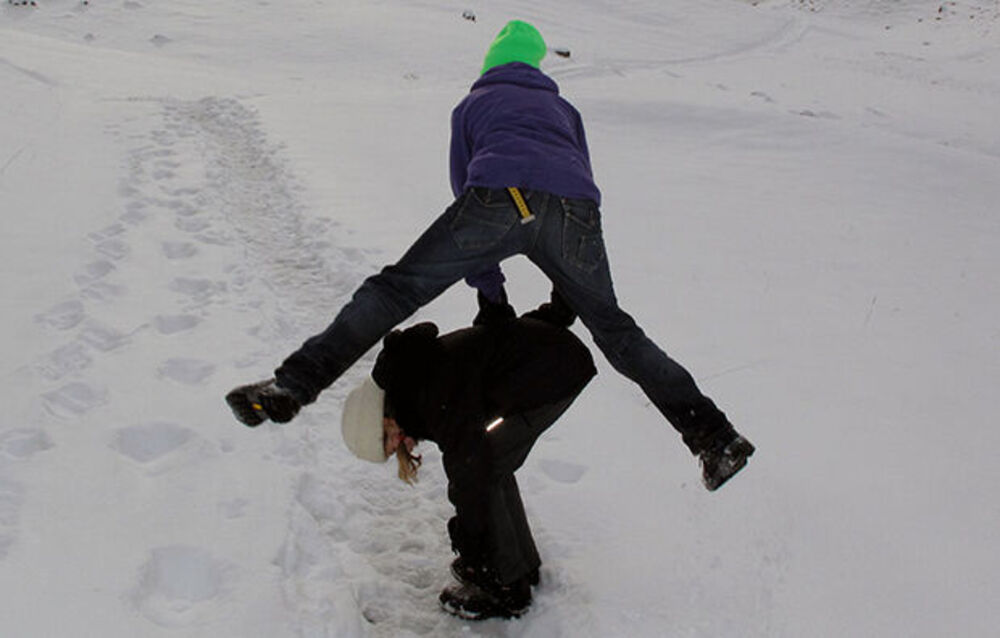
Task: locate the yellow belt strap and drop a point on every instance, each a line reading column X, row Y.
column 522, row 206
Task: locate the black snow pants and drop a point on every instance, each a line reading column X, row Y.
column 490, row 527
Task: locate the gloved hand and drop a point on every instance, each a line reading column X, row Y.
column 555, row 311
column 258, row 402
column 493, row 313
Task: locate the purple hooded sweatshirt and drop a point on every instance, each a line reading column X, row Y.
column 513, row 129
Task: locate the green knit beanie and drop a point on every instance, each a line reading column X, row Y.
column 518, row 41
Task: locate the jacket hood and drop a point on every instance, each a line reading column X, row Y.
column 517, row 73
column 518, row 41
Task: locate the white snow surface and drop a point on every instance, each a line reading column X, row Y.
column 800, row 204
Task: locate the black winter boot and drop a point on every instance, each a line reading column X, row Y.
column 466, row 571
column 722, row 461
column 257, row 402
column 472, row 602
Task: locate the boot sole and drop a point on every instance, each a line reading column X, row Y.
column 465, row 614
column 715, row 484
column 746, row 449
column 489, row 607
column 243, row 409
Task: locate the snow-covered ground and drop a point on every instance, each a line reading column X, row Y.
column 801, row 205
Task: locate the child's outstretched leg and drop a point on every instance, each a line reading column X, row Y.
column 571, row 252
column 433, row 263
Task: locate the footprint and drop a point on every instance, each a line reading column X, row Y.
column 186, row 371
column 561, row 471
column 62, row 316
column 182, row 209
column 179, row 249
column 113, row 249
column 23, row 443
column 93, row 272
column 192, row 225
column 102, row 291
column 108, row 231
column 179, row 585
column 74, row 399
column 108, row 243
column 170, row 324
column 199, row 290
column 102, row 337
column 214, row 238
column 64, row 361
column 151, row 441
column 134, row 213
column 192, row 287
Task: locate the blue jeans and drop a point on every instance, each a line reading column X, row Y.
column 481, row 229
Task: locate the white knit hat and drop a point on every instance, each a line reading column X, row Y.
column 361, row 423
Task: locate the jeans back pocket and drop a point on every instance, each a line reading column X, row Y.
column 482, row 219
column 582, row 240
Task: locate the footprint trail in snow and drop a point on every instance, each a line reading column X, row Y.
column 211, row 231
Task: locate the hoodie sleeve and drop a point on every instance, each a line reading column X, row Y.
column 461, row 151
column 581, row 137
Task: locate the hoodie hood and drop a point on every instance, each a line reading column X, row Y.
column 517, row 73
column 518, row 41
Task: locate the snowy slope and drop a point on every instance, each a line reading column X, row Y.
column 800, row 205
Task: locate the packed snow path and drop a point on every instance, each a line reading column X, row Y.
column 204, row 183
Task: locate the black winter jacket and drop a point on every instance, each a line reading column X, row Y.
column 447, row 388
